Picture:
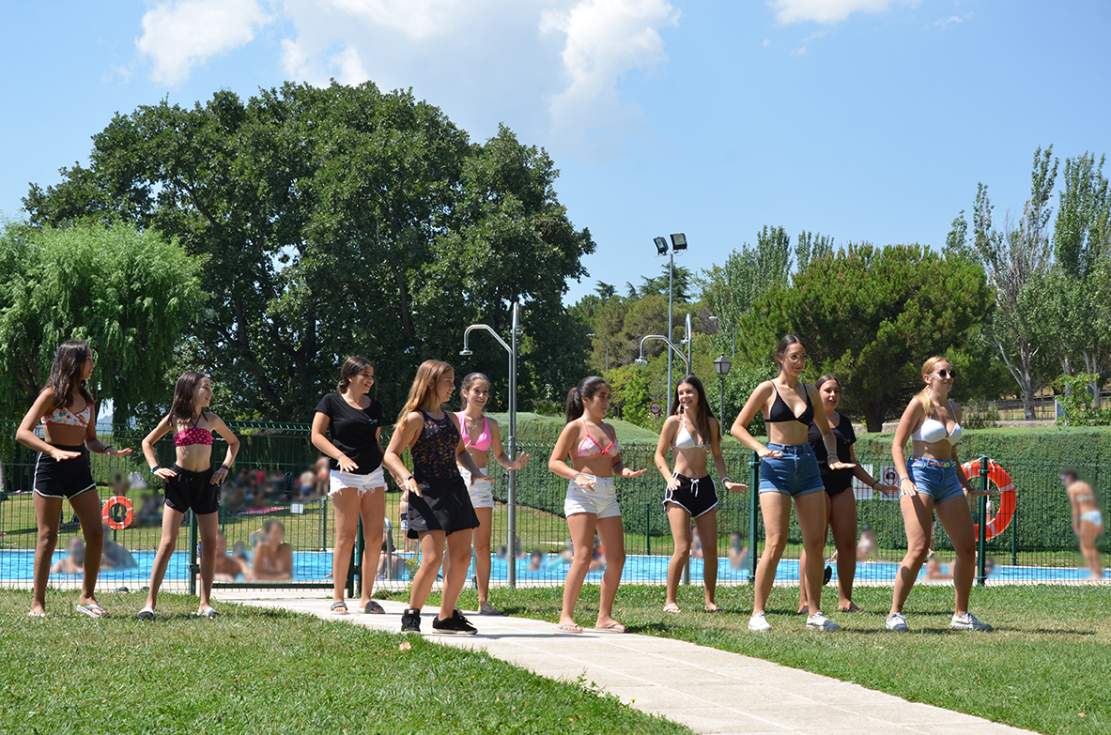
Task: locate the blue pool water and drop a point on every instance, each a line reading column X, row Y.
column 317, row 566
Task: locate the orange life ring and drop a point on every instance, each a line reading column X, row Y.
column 112, row 519
column 1005, row 513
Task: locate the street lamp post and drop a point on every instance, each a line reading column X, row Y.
column 678, row 242
column 511, row 500
column 722, row 366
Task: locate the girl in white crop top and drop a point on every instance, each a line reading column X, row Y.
column 694, row 436
column 933, row 482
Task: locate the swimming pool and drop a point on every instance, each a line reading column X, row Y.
column 316, row 566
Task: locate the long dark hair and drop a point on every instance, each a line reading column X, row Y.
column 65, row 373
column 182, row 408
column 586, row 388
column 468, row 380
column 784, row 343
column 705, row 413
column 352, row 366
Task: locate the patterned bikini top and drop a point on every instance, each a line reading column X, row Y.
column 434, row 450
column 196, row 435
column 65, row 417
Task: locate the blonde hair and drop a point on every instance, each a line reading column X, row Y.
column 424, row 385
column 924, row 394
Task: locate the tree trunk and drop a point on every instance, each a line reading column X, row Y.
column 873, row 417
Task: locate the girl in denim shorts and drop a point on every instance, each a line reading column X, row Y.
column 789, row 470
column 932, row 481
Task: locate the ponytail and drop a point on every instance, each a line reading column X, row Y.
column 586, row 388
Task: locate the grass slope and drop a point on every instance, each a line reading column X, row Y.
column 265, row 671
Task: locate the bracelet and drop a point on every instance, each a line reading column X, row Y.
column 725, row 480
column 410, row 477
column 225, row 467
column 155, row 469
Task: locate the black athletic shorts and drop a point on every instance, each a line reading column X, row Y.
column 696, row 495
column 192, row 490
column 65, row 479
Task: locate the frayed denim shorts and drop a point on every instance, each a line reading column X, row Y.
column 795, row 473
column 935, row 477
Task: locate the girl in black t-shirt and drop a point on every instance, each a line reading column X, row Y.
column 346, row 427
column 838, row 484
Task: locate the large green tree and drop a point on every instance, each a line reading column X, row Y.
column 1075, row 309
column 131, row 294
column 336, row 220
column 871, row 316
column 1014, row 259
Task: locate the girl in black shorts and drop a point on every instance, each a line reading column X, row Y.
column 439, row 507
column 838, row 484
column 692, row 433
column 67, row 412
column 191, row 484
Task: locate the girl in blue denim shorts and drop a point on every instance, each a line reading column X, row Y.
column 932, row 481
column 789, row 470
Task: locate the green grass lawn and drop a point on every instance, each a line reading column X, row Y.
column 1045, row 667
column 261, row 671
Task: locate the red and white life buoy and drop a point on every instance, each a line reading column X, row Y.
column 112, row 517
column 1005, row 513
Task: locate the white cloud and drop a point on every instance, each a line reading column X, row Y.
column 178, row 34
column 350, row 66
column 804, row 48
column 545, row 66
column 950, row 21
column 823, row 11
column 604, row 40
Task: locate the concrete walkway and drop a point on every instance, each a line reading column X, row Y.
column 708, row 690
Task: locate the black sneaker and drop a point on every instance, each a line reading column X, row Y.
column 410, row 620
column 456, row 624
column 827, row 574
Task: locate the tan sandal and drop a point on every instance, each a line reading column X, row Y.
column 671, row 607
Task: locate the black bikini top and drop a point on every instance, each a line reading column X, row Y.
column 781, row 412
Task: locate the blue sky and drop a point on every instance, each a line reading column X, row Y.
column 863, row 119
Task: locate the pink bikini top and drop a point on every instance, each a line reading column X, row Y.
column 196, row 435
column 482, row 444
column 589, row 447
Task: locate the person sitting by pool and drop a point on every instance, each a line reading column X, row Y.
column 74, row 561
column 273, row 557
column 535, row 561
column 228, row 567
column 738, row 552
column 1087, row 519
column 935, row 569
column 113, row 556
column 866, row 546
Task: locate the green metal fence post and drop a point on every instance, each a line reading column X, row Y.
column 194, row 567
column 323, row 522
column 982, row 540
column 753, row 510
column 1014, row 536
column 648, row 529
column 355, row 571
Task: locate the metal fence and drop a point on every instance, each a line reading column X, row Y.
column 274, row 481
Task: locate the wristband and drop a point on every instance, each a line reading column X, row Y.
column 155, row 469
column 725, row 480
column 410, row 477
column 225, row 467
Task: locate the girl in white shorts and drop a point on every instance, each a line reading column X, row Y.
column 481, row 435
column 346, row 427
column 591, row 503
